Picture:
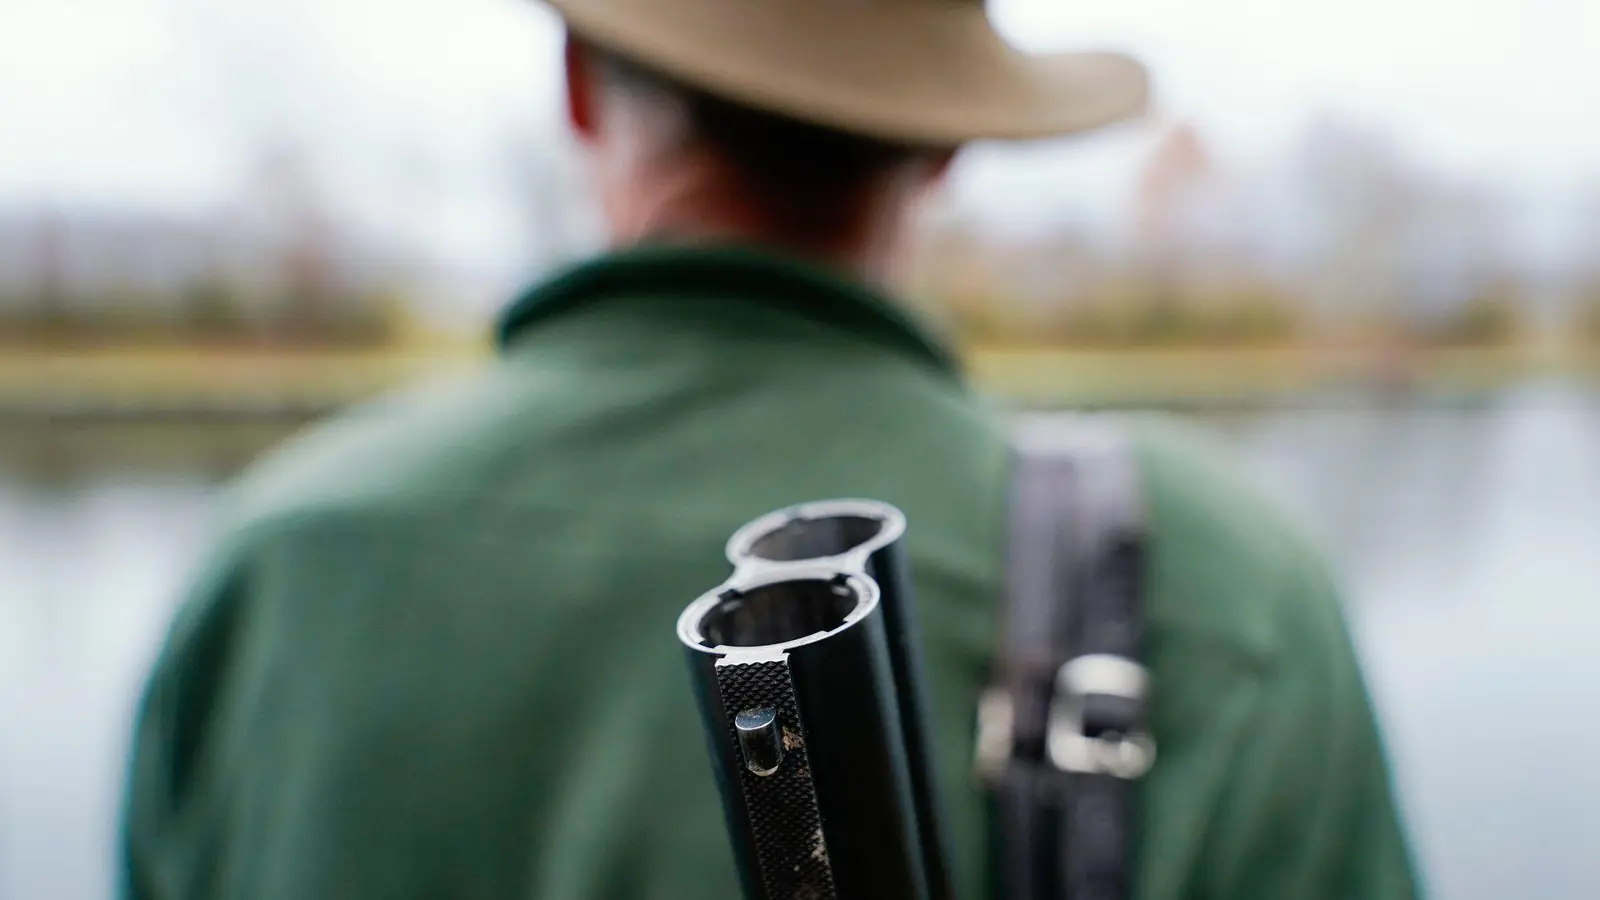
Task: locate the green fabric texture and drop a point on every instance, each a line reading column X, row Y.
column 433, row 654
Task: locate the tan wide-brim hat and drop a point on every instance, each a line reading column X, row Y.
column 926, row 72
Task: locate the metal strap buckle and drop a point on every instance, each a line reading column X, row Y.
column 996, row 737
column 1070, row 747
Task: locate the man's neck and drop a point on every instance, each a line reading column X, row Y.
column 698, row 208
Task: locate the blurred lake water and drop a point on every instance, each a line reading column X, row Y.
column 1467, row 535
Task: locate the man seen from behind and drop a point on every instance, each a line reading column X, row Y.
column 433, row 653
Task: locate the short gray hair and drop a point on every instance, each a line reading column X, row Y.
column 801, row 170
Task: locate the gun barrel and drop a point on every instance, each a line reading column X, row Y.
column 868, row 536
column 807, row 673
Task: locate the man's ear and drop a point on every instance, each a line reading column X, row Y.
column 927, row 175
column 583, row 94
column 939, row 165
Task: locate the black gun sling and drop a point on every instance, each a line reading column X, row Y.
column 1061, row 731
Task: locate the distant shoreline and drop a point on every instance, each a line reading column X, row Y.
column 223, row 381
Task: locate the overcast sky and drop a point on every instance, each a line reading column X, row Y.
column 408, row 105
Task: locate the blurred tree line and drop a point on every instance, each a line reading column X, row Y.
column 983, row 295
column 275, row 269
column 1342, row 240
column 1345, row 242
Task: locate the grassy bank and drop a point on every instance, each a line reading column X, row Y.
column 220, row 378
column 240, row 380
column 1047, row 376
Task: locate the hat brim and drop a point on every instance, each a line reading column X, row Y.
column 932, row 72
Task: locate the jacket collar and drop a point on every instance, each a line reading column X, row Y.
column 737, row 273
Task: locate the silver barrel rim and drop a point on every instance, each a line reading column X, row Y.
column 855, row 529
column 777, row 611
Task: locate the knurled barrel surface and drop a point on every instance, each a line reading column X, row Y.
column 785, row 822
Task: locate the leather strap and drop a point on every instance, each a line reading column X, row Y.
column 1061, row 731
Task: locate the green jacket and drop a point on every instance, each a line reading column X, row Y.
column 434, row 654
